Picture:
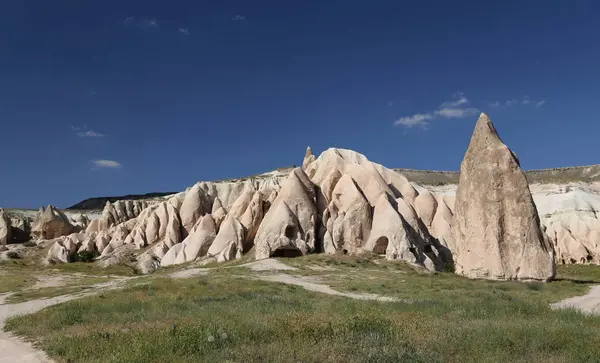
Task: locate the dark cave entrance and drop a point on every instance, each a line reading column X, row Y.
column 287, row 252
column 381, row 246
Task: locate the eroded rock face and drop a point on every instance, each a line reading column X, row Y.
column 229, row 241
column 496, row 228
column 194, row 206
column 51, row 223
column 199, row 241
column 5, row 229
column 290, row 224
column 349, row 217
column 119, row 212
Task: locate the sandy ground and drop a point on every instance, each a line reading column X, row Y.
column 184, row 274
column 325, row 289
column 588, row 303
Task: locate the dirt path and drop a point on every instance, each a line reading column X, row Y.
column 588, row 303
column 14, row 349
column 325, row 289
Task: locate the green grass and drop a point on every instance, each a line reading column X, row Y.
column 14, row 281
column 225, row 317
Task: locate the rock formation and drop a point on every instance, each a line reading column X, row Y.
column 342, row 203
column 51, row 223
column 496, row 228
column 5, row 229
column 289, row 227
column 119, row 212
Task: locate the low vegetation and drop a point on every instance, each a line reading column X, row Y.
column 227, row 315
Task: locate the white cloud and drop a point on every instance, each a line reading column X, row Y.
column 456, row 112
column 89, row 133
column 449, row 109
column 184, row 31
column 461, row 100
column 414, row 120
column 525, row 101
column 107, row 164
column 238, row 17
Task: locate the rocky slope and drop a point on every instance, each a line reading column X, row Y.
column 338, row 202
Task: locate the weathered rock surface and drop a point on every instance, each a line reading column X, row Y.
column 290, row 223
column 5, row 229
column 496, row 228
column 120, row 211
column 51, row 223
column 228, row 241
column 348, row 218
column 338, row 202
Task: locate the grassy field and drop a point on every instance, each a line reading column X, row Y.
column 228, row 316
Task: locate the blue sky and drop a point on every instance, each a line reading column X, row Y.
column 113, row 97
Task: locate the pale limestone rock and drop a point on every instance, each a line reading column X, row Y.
column 496, row 228
column 199, row 241
column 157, row 223
column 241, row 203
column 216, row 205
column 147, row 264
column 119, row 212
column 80, row 221
column 93, row 226
column 348, row 218
column 219, row 216
column 228, row 254
column 194, row 206
column 251, row 219
column 425, row 206
column 389, row 236
column 232, row 232
column 64, row 248
column 362, row 171
column 290, row 223
column 308, row 157
column 5, row 228
column 51, row 223
column 169, row 258
column 88, row 245
column 196, row 243
column 442, row 220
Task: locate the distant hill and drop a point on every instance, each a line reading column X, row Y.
column 100, row 202
column 586, row 173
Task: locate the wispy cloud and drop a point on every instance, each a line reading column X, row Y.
column 460, row 100
column 111, row 164
column 419, row 119
column 448, row 109
column 90, row 133
column 238, row 17
column 525, row 101
column 456, row 112
column 184, row 31
column 140, row 22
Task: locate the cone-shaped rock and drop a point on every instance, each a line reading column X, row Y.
column 496, row 228
column 51, row 223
